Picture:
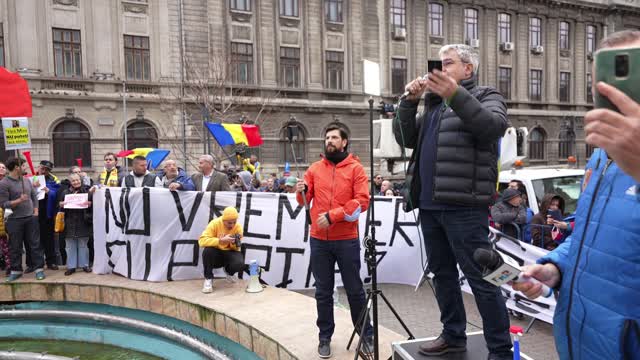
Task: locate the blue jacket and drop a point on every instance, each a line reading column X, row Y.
column 598, row 310
column 183, row 179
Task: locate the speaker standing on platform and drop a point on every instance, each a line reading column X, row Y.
column 452, row 181
column 221, row 243
column 338, row 186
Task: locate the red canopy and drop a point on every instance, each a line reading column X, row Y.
column 15, row 100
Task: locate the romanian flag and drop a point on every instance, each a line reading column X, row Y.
column 232, row 134
column 154, row 156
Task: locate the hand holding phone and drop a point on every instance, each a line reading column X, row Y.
column 620, row 68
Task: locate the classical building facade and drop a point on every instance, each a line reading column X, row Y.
column 286, row 62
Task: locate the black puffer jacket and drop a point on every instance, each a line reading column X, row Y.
column 78, row 222
column 466, row 169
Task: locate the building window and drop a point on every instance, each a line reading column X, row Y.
column 290, row 67
column 470, row 24
column 563, row 35
column 333, row 10
column 298, row 142
column 71, row 140
column 504, row 82
column 504, row 28
column 535, row 85
column 136, row 57
column 289, row 8
column 566, row 141
column 242, row 63
column 240, row 5
column 591, row 39
column 536, row 144
column 398, row 75
column 589, row 89
column 1, row 46
column 398, row 13
column 565, row 86
column 141, row 134
column 436, row 18
column 535, row 32
column 67, row 52
column 335, row 69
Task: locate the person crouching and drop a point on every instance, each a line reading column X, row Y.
column 77, row 227
column 221, row 243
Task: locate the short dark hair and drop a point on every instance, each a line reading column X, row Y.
column 14, row 162
column 343, row 132
column 620, row 38
column 140, row 158
column 110, row 154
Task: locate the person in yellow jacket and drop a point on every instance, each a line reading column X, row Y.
column 221, row 243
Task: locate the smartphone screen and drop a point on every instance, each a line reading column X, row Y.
column 434, row 64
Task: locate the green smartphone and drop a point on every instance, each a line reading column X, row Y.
column 619, row 68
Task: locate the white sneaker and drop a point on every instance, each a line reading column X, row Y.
column 231, row 279
column 208, row 286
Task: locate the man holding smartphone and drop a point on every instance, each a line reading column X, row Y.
column 596, row 268
column 452, row 180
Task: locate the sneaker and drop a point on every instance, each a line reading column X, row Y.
column 208, row 286
column 231, row 279
column 324, row 349
column 53, row 267
column 13, row 277
column 40, row 275
column 69, row 272
column 29, row 270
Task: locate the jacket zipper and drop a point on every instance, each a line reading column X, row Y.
column 435, row 163
column 333, row 183
column 575, row 268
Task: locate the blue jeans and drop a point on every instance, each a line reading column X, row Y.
column 77, row 252
column 451, row 236
column 324, row 255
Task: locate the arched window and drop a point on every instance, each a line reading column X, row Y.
column 71, row 140
column 566, row 143
column 296, row 132
column 141, row 134
column 536, row 144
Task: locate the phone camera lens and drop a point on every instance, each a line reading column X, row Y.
column 622, row 65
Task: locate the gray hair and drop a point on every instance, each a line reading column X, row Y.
column 466, row 53
column 208, row 158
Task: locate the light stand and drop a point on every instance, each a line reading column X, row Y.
column 370, row 256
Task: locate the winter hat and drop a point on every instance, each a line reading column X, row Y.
column 229, row 213
column 509, row 194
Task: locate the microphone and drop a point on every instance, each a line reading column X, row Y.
column 498, row 269
column 407, row 93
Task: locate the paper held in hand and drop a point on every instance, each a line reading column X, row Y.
column 76, row 201
column 41, row 185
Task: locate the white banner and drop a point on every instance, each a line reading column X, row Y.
column 152, row 234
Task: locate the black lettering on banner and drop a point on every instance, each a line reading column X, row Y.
column 283, row 202
column 216, row 210
column 109, row 244
column 146, row 213
column 108, row 203
column 515, row 257
column 524, row 300
column 193, row 262
column 266, row 248
column 377, row 222
column 397, row 226
column 288, row 252
column 186, row 225
column 147, row 261
column 248, row 212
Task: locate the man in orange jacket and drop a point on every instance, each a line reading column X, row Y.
column 338, row 186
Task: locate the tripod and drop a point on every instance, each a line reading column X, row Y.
column 370, row 256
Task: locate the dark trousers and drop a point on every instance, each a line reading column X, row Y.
column 452, row 236
column 24, row 230
column 324, row 256
column 47, row 241
column 213, row 258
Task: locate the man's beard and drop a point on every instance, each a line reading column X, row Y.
column 331, row 149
